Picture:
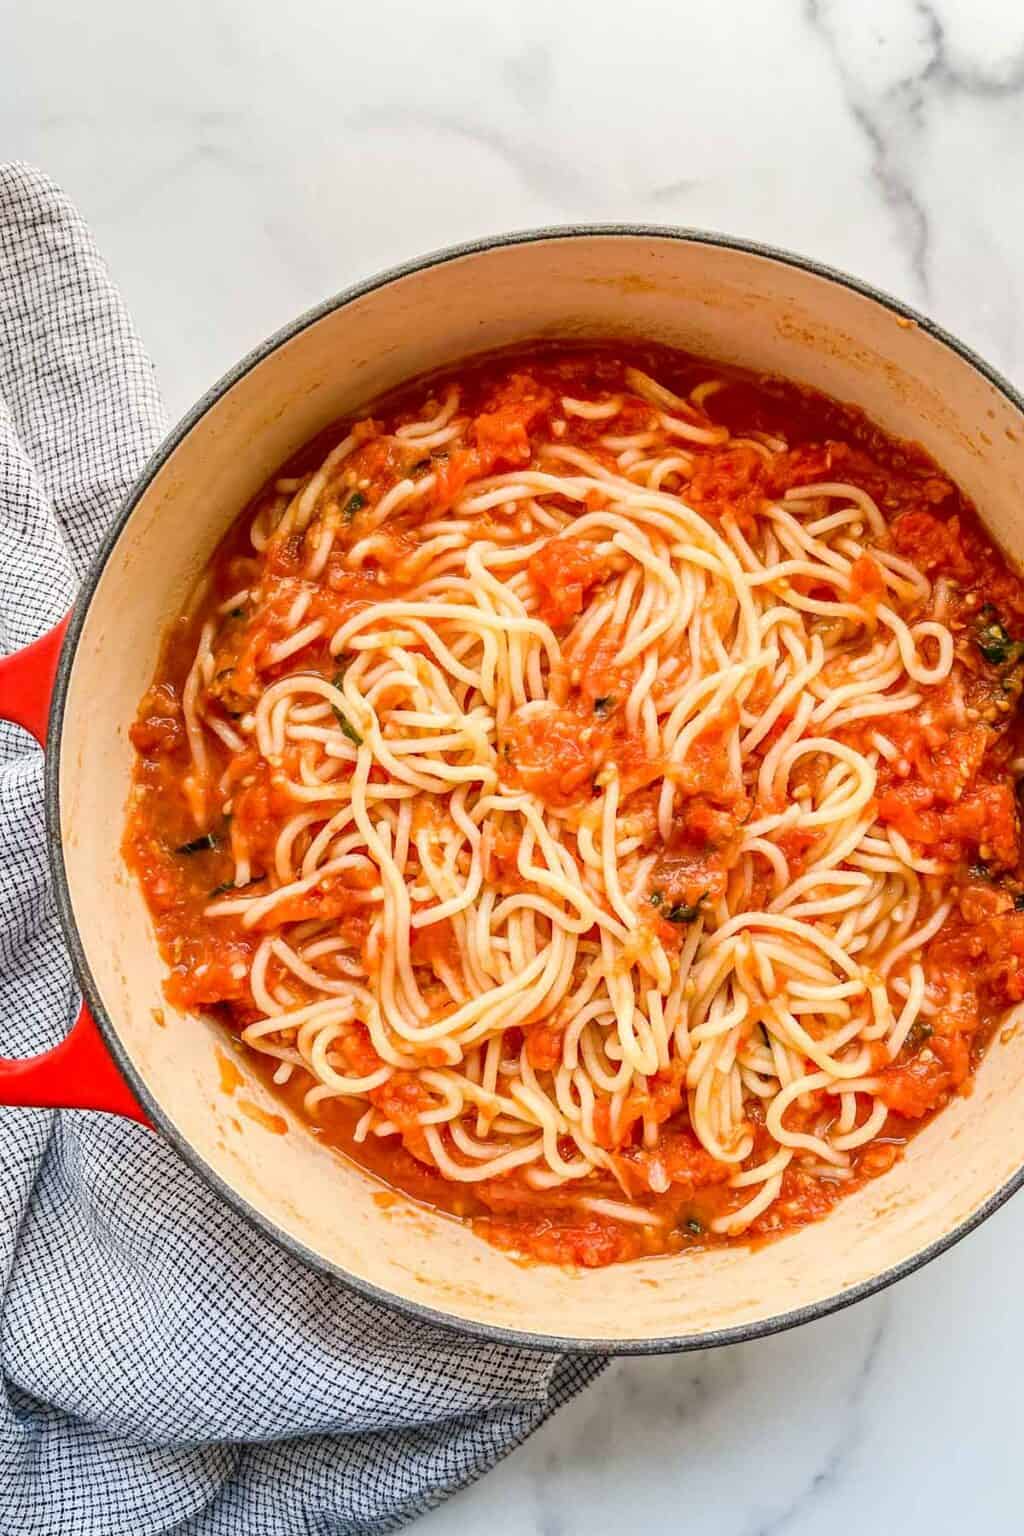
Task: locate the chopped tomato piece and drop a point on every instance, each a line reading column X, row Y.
column 801, row 1199
column 544, row 1047
column 917, row 1088
column 986, row 819
column 867, row 586
column 562, row 573
column 160, row 729
column 553, row 754
column 403, row 1098
column 932, row 543
column 908, row 809
column 587, row 1244
column 729, row 480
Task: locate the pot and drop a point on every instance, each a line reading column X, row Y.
column 129, row 1053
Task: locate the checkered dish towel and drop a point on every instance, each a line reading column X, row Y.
column 165, row 1366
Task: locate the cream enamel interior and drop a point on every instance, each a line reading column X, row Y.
column 734, row 305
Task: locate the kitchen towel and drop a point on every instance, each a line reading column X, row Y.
column 165, row 1366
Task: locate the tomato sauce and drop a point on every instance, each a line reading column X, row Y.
column 949, row 790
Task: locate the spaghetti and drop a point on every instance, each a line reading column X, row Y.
column 593, row 798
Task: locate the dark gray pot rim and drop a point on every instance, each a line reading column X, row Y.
column 160, row 1120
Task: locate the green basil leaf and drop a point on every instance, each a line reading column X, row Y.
column 199, row 844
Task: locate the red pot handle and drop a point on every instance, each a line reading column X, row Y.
column 79, row 1073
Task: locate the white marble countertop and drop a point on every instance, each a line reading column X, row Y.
column 240, row 160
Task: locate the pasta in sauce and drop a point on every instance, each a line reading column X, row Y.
column 588, row 787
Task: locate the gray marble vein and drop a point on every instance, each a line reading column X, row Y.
column 926, row 88
column 849, row 1432
column 887, row 101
